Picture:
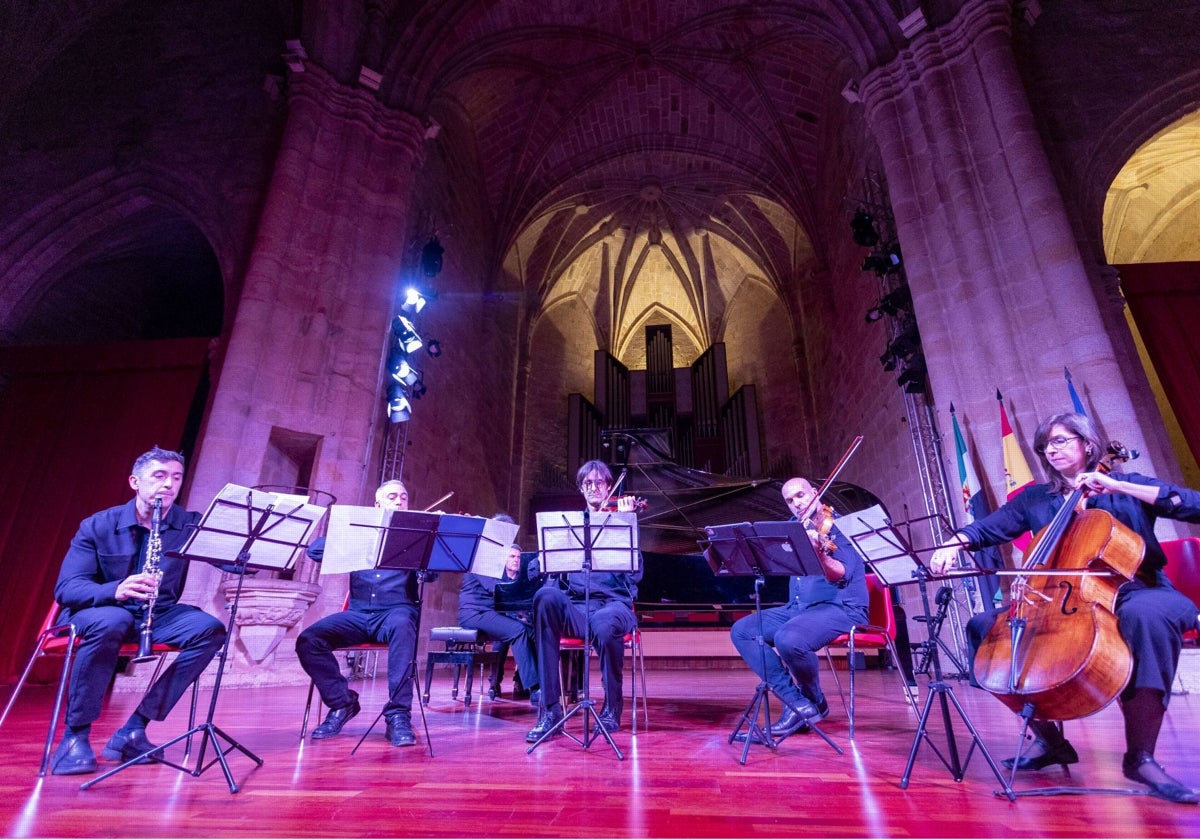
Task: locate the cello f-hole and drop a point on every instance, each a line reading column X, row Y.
column 1066, row 584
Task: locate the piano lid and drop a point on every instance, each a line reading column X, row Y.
column 681, row 501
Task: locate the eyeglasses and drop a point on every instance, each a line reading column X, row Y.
column 588, row 483
column 1058, row 442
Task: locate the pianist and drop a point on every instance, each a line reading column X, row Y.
column 478, row 609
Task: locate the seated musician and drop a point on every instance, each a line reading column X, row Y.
column 1152, row 615
column 383, row 609
column 819, row 609
column 477, row 610
column 105, row 589
column 558, row 612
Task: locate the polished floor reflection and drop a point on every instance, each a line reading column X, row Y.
column 681, row 778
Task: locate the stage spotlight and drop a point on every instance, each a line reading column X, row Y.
column 864, row 229
column 406, row 334
column 434, row 348
column 877, row 263
column 414, row 301
column 431, row 257
column 399, row 408
column 892, row 253
column 914, row 377
column 400, row 370
column 419, row 389
column 896, row 300
column 888, row 360
column 874, row 314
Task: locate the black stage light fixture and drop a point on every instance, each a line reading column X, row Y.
column 888, row 360
column 419, row 389
column 434, row 348
column 874, row 314
column 399, row 368
column 406, row 334
column 892, row 253
column 431, row 257
column 914, row 376
column 399, row 408
column 863, row 226
column 898, row 299
column 414, row 301
column 877, row 263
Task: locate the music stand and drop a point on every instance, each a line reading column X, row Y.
column 422, row 543
column 569, row 542
column 895, row 562
column 761, row 549
column 243, row 529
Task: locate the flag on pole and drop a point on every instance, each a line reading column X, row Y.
column 975, row 506
column 1017, row 475
column 1075, row 401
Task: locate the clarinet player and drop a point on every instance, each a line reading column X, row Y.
column 103, row 589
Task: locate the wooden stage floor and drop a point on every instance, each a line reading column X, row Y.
column 682, row 778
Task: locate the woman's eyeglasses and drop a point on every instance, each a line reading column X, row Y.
column 1058, row 442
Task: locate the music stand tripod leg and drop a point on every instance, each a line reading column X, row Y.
column 586, row 706
column 207, row 728
column 941, row 689
column 412, row 677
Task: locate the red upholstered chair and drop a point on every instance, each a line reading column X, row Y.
column 633, row 643
column 63, row 640
column 880, row 633
column 1183, row 570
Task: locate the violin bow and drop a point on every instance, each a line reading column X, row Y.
column 833, row 474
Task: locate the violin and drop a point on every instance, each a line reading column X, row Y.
column 611, row 506
column 821, row 521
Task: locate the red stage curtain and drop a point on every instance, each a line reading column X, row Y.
column 72, row 421
column 1165, row 301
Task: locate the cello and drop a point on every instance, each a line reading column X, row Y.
column 1060, row 652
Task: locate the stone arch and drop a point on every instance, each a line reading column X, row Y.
column 91, row 231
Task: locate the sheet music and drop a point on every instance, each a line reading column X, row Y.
column 492, row 553
column 614, row 541
column 235, row 510
column 871, row 532
column 353, row 539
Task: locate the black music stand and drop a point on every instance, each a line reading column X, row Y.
column 761, row 549
column 429, row 543
column 270, row 537
column 895, row 562
column 570, row 542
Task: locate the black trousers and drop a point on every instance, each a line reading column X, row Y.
column 395, row 627
column 556, row 615
column 104, row 629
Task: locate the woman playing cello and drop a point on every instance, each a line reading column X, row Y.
column 1152, row 616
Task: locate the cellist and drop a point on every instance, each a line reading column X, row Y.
column 1152, row 615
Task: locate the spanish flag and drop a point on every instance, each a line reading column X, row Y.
column 1017, row 475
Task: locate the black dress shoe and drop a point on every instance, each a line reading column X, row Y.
column 337, row 718
column 608, row 721
column 793, row 719
column 535, row 698
column 73, row 756
column 1042, row 755
column 1143, row 768
column 399, row 730
column 126, row 746
column 548, row 720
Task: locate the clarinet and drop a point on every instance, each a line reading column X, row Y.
column 153, row 567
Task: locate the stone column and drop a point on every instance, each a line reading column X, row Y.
column 300, row 381
column 1001, row 294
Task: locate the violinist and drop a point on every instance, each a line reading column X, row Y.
column 558, row 612
column 1152, row 616
column 819, row 609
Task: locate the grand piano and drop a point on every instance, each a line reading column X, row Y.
column 678, row 587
